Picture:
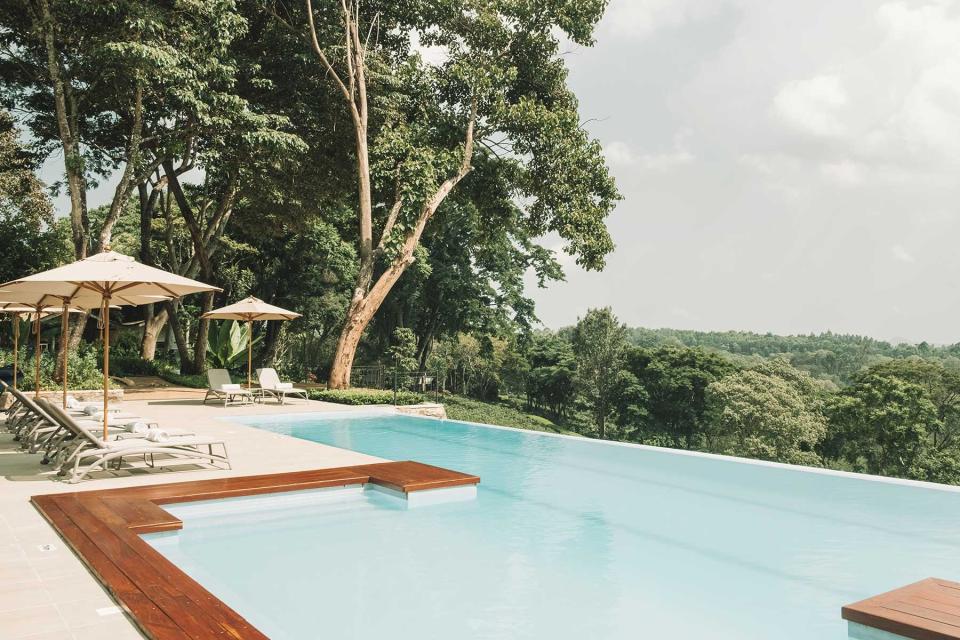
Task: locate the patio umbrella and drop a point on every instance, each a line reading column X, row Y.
column 102, row 280
column 248, row 310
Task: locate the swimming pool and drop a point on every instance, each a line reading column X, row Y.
column 567, row 539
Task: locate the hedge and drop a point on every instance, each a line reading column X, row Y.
column 365, row 396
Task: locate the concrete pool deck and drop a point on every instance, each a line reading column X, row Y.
column 45, row 590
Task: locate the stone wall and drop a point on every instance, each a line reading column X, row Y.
column 83, row 395
column 429, row 409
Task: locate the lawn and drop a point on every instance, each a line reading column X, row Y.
column 497, row 413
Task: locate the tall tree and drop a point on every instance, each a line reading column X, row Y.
column 881, row 424
column 420, row 128
column 769, row 412
column 600, row 343
column 675, row 380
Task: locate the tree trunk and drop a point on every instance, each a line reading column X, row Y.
column 179, row 337
column 203, row 335
column 152, row 328
column 72, row 159
column 366, row 299
column 358, row 317
column 271, row 350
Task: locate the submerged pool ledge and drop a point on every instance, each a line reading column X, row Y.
column 104, row 529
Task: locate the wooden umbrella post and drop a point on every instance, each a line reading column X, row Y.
column 36, row 373
column 105, row 315
column 249, row 354
column 64, row 330
column 16, row 347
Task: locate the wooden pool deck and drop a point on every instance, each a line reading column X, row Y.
column 925, row 610
column 103, row 528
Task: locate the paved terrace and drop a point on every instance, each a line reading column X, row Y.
column 45, row 591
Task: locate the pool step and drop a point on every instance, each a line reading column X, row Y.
column 925, row 610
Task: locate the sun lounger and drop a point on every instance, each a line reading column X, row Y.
column 88, row 453
column 31, row 423
column 222, row 388
column 270, row 385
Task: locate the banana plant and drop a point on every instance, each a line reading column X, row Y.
column 227, row 344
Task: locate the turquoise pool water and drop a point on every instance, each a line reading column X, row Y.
column 567, row 539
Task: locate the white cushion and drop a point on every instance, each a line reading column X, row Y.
column 284, row 385
column 230, row 387
column 138, row 427
column 157, row 435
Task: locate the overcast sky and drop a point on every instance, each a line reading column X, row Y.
column 786, row 166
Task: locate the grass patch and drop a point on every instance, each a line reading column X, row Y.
column 498, row 413
column 358, row 396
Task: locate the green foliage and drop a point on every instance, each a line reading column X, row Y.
column 829, row 356
column 469, row 365
column 227, row 346
column 770, row 412
column 552, row 370
column 358, row 396
column 498, row 413
column 132, row 366
column 83, row 368
column 600, row 344
column 171, row 374
column 898, row 420
column 403, row 350
column 31, row 240
column 673, row 403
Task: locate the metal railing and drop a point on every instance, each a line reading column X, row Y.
column 427, row 383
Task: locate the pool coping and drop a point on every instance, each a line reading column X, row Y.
column 104, row 527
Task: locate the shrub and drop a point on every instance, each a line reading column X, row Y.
column 132, row 366
column 84, row 368
column 365, row 396
column 171, row 374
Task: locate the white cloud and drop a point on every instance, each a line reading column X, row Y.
column 813, row 105
column 637, row 19
column 562, row 257
column 435, row 55
column 928, row 115
column 844, row 172
column 619, row 153
column 902, row 254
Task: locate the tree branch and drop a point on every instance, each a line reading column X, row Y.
column 129, row 178
column 323, row 58
column 391, row 220
column 186, row 211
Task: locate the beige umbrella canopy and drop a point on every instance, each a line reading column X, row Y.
column 102, row 280
column 249, row 310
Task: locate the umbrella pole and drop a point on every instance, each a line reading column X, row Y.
column 36, row 329
column 249, row 354
column 64, row 329
column 105, row 314
column 16, row 347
